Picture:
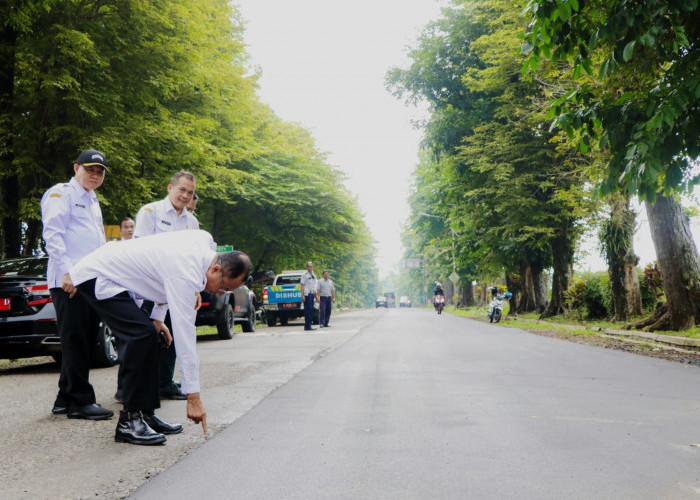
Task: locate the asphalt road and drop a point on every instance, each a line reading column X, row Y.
column 416, row 405
column 45, row 456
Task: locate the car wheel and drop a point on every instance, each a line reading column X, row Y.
column 107, row 349
column 316, row 317
column 249, row 324
column 270, row 319
column 225, row 323
column 284, row 319
column 57, row 357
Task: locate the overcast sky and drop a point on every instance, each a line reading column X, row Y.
column 323, row 64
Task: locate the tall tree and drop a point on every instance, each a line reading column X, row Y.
column 518, row 185
column 644, row 110
column 616, row 236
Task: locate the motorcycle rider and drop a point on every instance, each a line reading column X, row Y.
column 437, row 292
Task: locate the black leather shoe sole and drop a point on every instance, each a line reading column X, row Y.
column 85, row 416
column 59, row 410
column 125, row 438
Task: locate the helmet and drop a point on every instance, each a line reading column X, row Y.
column 508, row 295
column 438, row 285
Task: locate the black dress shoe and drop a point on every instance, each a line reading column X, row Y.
column 132, row 428
column 160, row 426
column 310, row 328
column 90, row 412
column 119, row 395
column 172, row 393
column 60, row 406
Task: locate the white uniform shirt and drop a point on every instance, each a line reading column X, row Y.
column 161, row 217
column 72, row 227
column 325, row 287
column 168, row 269
column 310, row 283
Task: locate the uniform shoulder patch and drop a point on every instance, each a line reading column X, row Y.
column 148, row 209
column 55, row 195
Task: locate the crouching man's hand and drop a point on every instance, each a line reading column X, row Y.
column 196, row 411
column 164, row 336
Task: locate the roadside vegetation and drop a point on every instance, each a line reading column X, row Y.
column 161, row 87
column 544, row 124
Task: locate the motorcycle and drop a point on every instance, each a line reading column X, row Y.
column 439, row 303
column 496, row 308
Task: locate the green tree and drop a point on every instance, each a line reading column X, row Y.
column 511, row 186
column 643, row 110
column 161, row 86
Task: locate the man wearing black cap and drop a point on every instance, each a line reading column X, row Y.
column 73, row 228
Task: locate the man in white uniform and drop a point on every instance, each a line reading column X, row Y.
column 170, row 269
column 309, row 292
column 73, row 228
column 166, row 215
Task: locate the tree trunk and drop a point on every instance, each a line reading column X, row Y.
column 9, row 186
column 539, row 280
column 562, row 259
column 511, row 285
column 679, row 264
column 617, row 238
column 31, row 237
column 527, row 301
column 449, row 292
column 468, row 295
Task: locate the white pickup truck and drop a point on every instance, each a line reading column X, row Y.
column 282, row 299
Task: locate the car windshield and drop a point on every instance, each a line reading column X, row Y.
column 35, row 266
column 291, row 279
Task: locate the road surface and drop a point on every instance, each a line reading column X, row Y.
column 416, row 405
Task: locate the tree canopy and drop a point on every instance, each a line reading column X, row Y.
column 161, row 86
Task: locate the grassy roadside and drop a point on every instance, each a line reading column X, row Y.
column 570, row 324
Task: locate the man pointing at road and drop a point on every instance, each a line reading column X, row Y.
column 170, row 269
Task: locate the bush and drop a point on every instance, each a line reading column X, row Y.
column 591, row 295
column 651, row 286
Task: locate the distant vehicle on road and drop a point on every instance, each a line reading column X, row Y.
column 390, row 299
column 405, row 301
column 28, row 318
column 381, row 302
column 282, row 299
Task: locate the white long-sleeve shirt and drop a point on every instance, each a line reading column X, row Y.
column 73, row 227
column 168, row 269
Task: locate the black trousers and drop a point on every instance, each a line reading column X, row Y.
column 77, row 326
column 139, row 367
column 309, row 310
column 166, row 356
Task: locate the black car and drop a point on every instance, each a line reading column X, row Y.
column 28, row 318
column 224, row 311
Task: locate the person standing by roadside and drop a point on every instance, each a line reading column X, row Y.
column 326, row 289
column 167, row 215
column 126, row 228
column 73, row 228
column 309, row 291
